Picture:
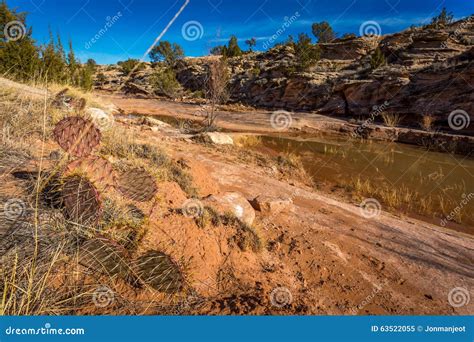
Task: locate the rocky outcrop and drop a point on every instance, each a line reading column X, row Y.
column 234, row 203
column 349, row 49
column 215, row 138
column 428, row 73
column 271, row 205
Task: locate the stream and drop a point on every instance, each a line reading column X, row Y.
column 432, row 186
column 405, row 177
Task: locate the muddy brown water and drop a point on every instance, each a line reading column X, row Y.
column 430, row 184
column 437, row 187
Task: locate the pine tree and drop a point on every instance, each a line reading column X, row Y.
column 53, row 67
column 22, row 60
column 60, row 48
column 232, row 49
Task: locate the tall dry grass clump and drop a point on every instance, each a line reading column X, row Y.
column 391, row 119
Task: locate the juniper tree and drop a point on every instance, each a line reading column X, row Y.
column 306, row 53
column 167, row 53
column 73, row 66
column 442, row 19
column 53, row 64
column 232, row 49
column 19, row 58
column 323, row 32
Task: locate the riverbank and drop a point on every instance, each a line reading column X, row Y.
column 417, row 181
column 249, row 120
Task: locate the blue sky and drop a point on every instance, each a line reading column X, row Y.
column 138, row 22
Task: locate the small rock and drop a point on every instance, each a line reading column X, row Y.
column 149, row 121
column 234, row 203
column 215, row 138
column 101, row 118
column 270, row 205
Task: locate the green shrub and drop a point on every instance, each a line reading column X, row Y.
column 377, row 59
column 130, row 64
column 306, row 53
column 165, row 83
column 232, row 49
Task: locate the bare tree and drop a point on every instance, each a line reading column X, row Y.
column 216, row 89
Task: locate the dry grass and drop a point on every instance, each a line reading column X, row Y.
column 120, row 143
column 427, row 123
column 247, row 141
column 91, row 99
column 390, row 119
column 209, row 216
column 401, row 198
column 26, row 115
column 246, row 237
column 290, row 164
column 21, row 115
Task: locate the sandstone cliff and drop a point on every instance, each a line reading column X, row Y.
column 429, row 73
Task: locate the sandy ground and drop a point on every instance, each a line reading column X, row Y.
column 338, row 261
column 243, row 120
